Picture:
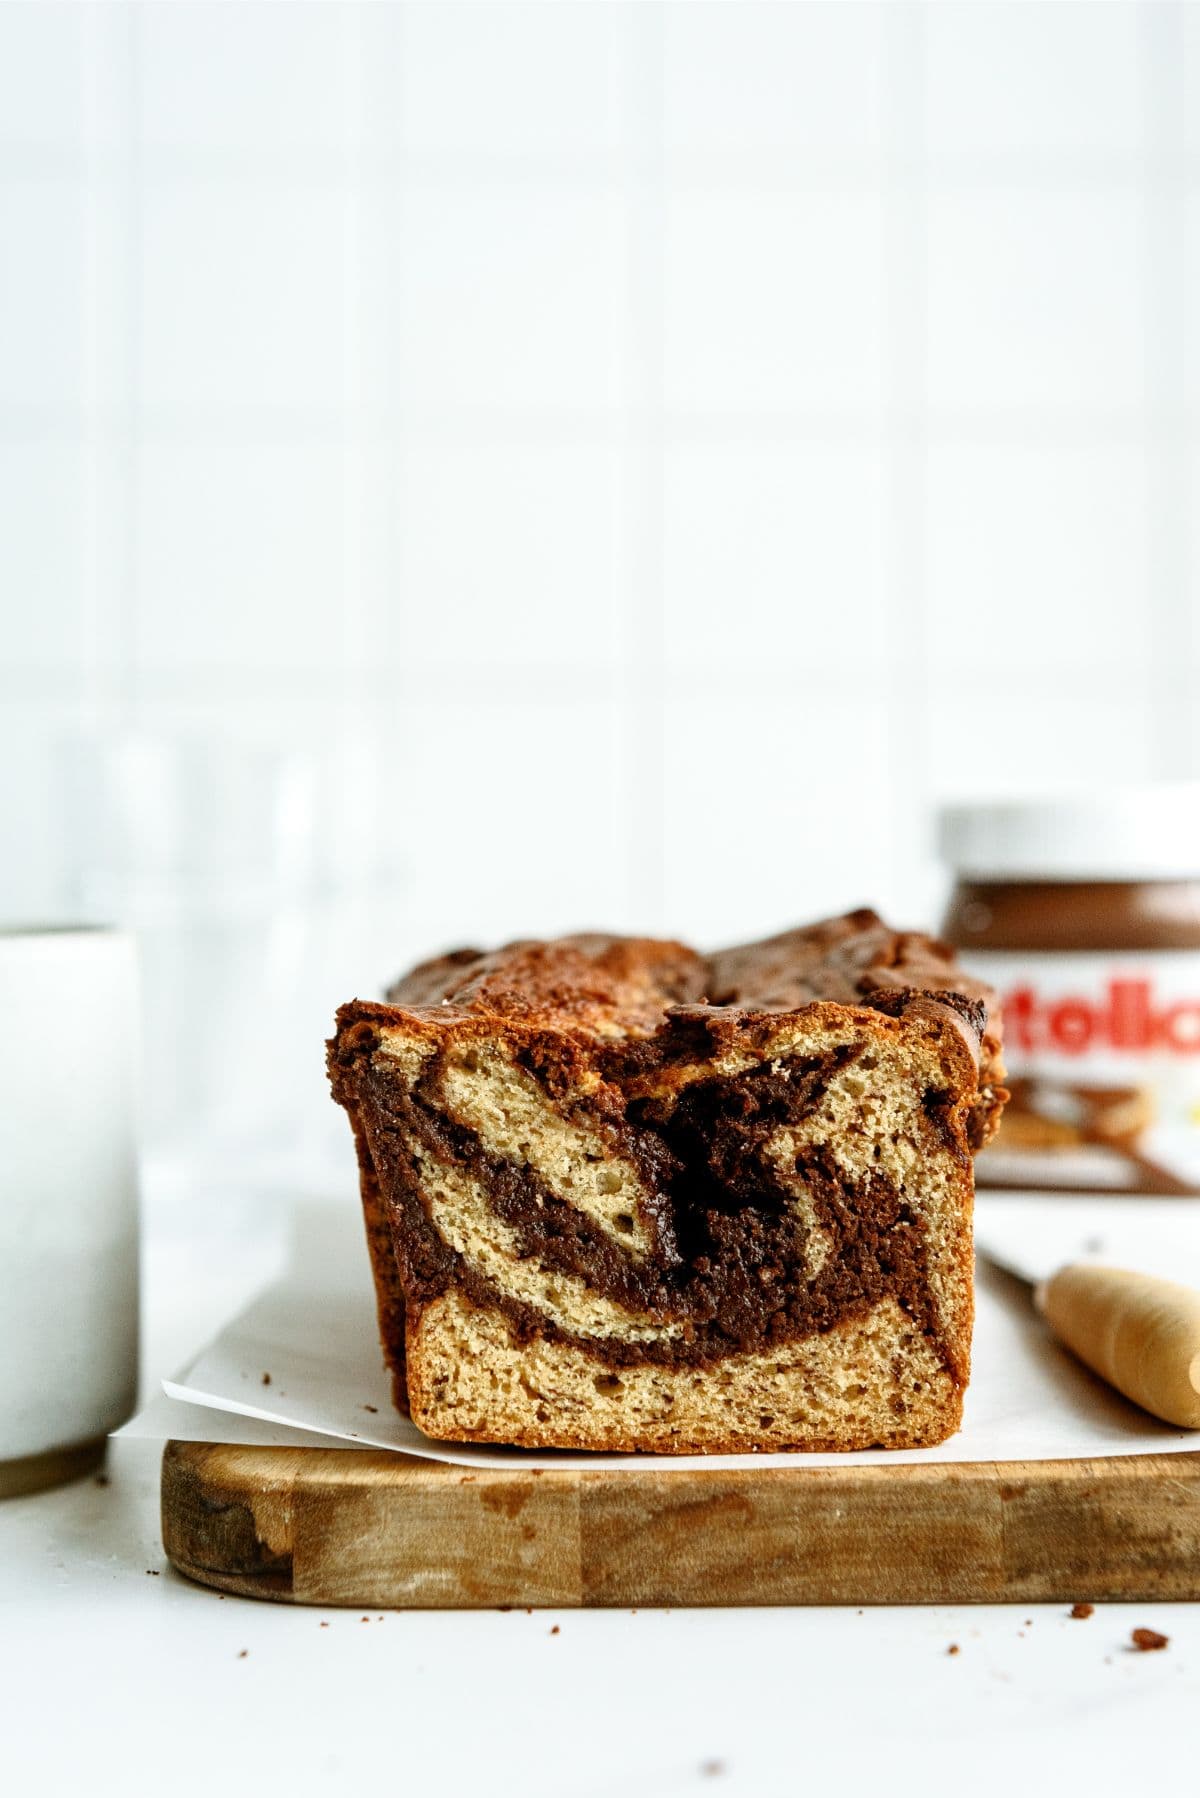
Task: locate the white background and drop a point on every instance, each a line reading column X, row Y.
column 667, row 434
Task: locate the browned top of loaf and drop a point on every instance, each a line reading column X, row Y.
column 614, row 986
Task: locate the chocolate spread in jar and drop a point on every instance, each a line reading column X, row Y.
column 1084, row 913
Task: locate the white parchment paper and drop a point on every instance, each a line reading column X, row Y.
column 301, row 1365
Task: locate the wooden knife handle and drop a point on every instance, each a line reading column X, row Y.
column 1140, row 1334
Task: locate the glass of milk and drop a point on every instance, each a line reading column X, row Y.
column 68, row 1200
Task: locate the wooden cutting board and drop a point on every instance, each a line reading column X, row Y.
column 345, row 1527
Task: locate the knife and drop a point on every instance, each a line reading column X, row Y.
column 1139, row 1333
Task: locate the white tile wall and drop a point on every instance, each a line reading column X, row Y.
column 1006, row 80
column 42, row 492
column 771, row 302
column 1052, row 541
column 1190, row 258
column 1091, row 728
column 242, row 299
column 43, row 320
column 484, row 521
column 759, row 81
column 1186, row 40
column 508, row 297
column 509, row 81
column 671, row 434
column 758, row 537
column 239, row 557
column 515, row 827
column 239, row 79
column 734, row 864
column 42, row 78
column 1036, row 300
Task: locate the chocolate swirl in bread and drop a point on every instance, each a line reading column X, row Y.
column 622, row 1195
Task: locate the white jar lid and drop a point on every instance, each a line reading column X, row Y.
column 1120, row 833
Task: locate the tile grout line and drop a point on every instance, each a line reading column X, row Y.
column 939, row 172
column 352, row 645
column 131, row 597
column 477, row 431
column 91, row 601
column 1173, row 643
column 905, row 405
column 542, row 686
column 108, row 430
column 395, row 376
column 642, row 458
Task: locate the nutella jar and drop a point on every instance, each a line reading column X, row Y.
column 1084, row 914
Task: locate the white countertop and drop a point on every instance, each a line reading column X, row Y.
column 118, row 1675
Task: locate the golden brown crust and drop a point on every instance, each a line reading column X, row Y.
column 613, row 986
column 602, row 983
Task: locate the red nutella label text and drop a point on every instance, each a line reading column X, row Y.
column 1126, row 1017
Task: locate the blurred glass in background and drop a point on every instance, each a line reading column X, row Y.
column 258, row 887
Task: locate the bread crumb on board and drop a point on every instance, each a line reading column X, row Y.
column 1145, row 1640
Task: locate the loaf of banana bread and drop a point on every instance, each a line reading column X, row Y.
column 620, row 1195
